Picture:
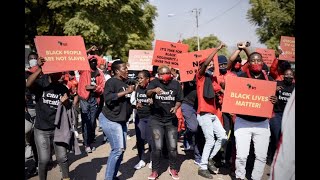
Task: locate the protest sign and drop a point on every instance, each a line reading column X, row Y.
column 248, row 96
column 62, row 53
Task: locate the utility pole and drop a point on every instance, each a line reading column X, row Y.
column 197, row 21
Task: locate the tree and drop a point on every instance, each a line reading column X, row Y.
column 207, row 42
column 275, row 18
column 114, row 25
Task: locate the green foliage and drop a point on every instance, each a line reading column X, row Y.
column 275, row 18
column 115, row 26
column 207, row 42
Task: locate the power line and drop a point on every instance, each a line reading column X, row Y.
column 221, row 13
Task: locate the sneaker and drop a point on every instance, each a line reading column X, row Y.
column 153, row 175
column 88, row 150
column 212, row 168
column 140, row 165
column 173, row 173
column 150, row 165
column 205, row 173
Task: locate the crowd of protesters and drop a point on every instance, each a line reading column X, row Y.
column 161, row 106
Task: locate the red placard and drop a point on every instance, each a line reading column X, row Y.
column 140, row 60
column 189, row 63
column 287, row 45
column 268, row 55
column 165, row 53
column 248, row 96
column 62, row 53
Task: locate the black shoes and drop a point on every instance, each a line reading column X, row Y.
column 212, row 168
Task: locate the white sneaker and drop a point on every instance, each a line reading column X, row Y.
column 140, row 165
column 150, row 165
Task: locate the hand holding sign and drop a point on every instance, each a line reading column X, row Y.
column 273, row 99
column 41, row 61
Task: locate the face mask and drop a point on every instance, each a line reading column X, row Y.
column 223, row 71
column 166, row 78
column 93, row 65
column 210, row 71
column 33, row 62
column 237, row 65
column 288, row 80
column 256, row 68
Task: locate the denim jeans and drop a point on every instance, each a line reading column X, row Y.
column 275, row 128
column 88, row 117
column 259, row 132
column 211, row 127
column 194, row 133
column 170, row 132
column 143, row 134
column 43, row 140
column 117, row 136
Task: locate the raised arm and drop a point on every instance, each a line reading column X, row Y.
column 209, row 58
column 34, row 75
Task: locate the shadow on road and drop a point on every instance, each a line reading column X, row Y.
column 88, row 170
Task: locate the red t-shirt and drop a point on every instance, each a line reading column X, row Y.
column 205, row 105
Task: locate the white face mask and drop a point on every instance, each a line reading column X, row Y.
column 33, row 62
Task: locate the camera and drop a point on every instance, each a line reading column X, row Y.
column 247, row 43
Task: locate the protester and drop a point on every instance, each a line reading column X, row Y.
column 254, row 128
column 189, row 106
column 223, row 157
column 167, row 96
column 90, row 87
column 143, row 132
column 207, row 88
column 115, row 115
column 284, row 91
column 49, row 93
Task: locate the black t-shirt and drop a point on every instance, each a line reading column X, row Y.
column 283, row 95
column 116, row 109
column 47, row 96
column 162, row 104
column 253, row 118
column 190, row 93
column 141, row 96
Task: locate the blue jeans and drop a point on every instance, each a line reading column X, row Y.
column 143, row 134
column 275, row 128
column 117, row 136
column 194, row 133
column 88, row 117
column 211, row 127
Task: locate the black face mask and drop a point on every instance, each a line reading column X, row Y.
column 210, row 71
column 223, row 71
column 93, row 65
column 288, row 80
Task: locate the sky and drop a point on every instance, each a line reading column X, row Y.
column 225, row 19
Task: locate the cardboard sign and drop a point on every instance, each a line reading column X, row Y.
column 189, row 63
column 62, row 53
column 165, row 53
column 248, row 96
column 287, row 45
column 268, row 55
column 140, row 60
